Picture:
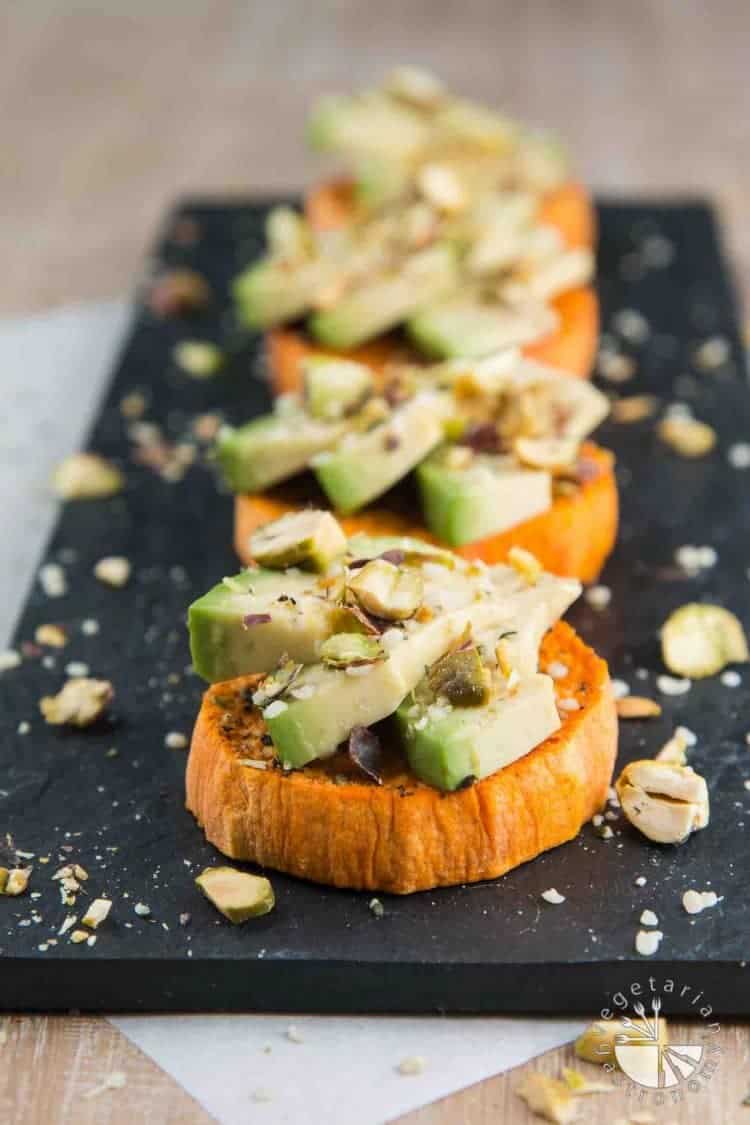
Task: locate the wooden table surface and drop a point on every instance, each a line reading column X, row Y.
column 111, row 110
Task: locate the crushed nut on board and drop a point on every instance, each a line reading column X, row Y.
column 699, row 640
column 9, row 659
column 113, row 570
column 674, row 750
column 664, row 801
column 175, row 740
column 198, row 358
column 647, row 942
column 52, row 635
column 14, row 882
column 648, row 918
column 637, row 707
column 687, row 436
column 53, row 581
column 696, row 901
column 598, row 597
column 87, row 476
column 97, row 912
column 670, row 685
column 634, row 408
column 553, row 896
column 80, row 703
column 142, row 910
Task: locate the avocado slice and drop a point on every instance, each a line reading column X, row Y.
column 365, row 465
column 273, row 447
column 326, row 703
column 369, row 123
column 489, row 495
column 335, row 387
column 247, row 623
column 310, row 539
column 274, row 291
column 446, row 747
column 377, row 306
column 468, row 327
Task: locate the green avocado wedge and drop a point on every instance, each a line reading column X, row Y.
column 450, row 747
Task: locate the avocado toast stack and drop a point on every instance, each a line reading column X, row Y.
column 381, row 717
column 456, row 234
column 477, row 456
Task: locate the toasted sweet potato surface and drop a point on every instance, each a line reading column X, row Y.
column 328, row 824
column 573, row 538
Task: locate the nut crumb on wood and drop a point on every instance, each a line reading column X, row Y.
column 412, row 1065
column 548, row 1098
column 80, row 703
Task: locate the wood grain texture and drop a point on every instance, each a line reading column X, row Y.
column 110, row 112
column 496, row 1101
column 52, row 1066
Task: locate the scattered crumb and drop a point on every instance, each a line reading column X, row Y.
column 648, row 918
column 632, row 325
column 620, row 689
column 293, row 1034
column 579, row 1084
column 116, row 1080
column 694, row 559
column 113, row 570
column 553, row 896
column 377, row 907
column 97, row 912
column 142, row 910
column 79, row 936
column 640, row 881
column 712, row 353
column 87, row 476
column 175, row 740
column 14, row 882
column 24, row 727
column 671, row 685
column 198, row 358
column 738, row 455
column 133, row 405
column 52, row 635
column 76, row 669
column 647, row 942
column 731, row 678
column 53, row 581
column 9, row 659
column 687, row 436
column 80, row 703
column 548, row 1098
column 90, row 627
column 412, row 1065
column 598, row 597
column 674, row 750
column 614, row 366
column 696, row 901
column 634, row 408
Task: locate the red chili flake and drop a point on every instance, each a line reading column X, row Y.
column 365, row 751
column 251, row 619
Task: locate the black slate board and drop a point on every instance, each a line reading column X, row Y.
column 492, row 947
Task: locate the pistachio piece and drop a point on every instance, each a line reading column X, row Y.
column 687, row 436
column 81, row 702
column 552, row 454
column 97, row 912
column 347, row 650
column 663, row 800
column 198, row 358
column 113, row 570
column 311, row 539
column 386, row 590
column 17, row 881
column 597, row 1043
column 699, row 640
column 237, row 895
column 461, row 677
column 548, row 1097
column 87, row 476
column 276, row 683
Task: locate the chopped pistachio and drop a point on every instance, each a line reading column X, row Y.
column 664, row 801
column 461, row 677
column 345, row 650
column 52, row 635
column 113, row 570
column 699, row 640
column 198, row 358
column 237, row 895
column 687, row 436
column 388, row 591
column 80, row 703
column 97, row 912
column 87, row 476
column 310, row 539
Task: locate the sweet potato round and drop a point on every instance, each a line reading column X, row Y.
column 326, row 824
